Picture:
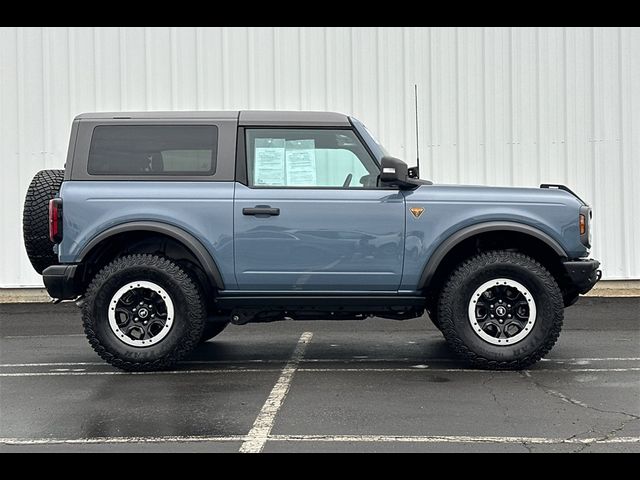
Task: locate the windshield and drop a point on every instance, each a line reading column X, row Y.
column 376, row 147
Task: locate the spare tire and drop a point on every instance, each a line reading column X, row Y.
column 35, row 218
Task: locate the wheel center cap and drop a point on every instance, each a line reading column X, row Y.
column 143, row 312
column 500, row 311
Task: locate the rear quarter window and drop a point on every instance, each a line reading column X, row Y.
column 153, row 150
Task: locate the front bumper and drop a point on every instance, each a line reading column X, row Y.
column 584, row 274
column 60, row 281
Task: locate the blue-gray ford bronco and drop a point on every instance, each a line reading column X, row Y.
column 166, row 227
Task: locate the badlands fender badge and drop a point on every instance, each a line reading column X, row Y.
column 416, row 211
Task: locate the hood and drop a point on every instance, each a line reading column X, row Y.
column 547, row 194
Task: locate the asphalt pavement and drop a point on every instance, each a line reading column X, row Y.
column 321, row 386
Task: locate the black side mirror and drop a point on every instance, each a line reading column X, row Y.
column 394, row 172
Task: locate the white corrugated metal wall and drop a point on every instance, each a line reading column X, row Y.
column 500, row 106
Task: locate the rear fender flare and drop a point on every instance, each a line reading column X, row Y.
column 188, row 240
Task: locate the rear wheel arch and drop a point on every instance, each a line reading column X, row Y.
column 141, row 230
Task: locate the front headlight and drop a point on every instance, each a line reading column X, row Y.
column 584, row 222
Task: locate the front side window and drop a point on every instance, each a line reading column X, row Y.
column 308, row 158
column 153, row 150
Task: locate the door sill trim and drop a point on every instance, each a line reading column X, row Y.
column 274, row 301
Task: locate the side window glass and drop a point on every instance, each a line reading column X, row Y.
column 308, row 158
column 140, row 150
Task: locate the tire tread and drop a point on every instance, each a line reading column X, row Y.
column 190, row 290
column 486, row 259
column 44, row 186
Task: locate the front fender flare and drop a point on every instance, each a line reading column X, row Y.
column 450, row 242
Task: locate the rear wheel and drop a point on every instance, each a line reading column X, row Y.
column 143, row 312
column 501, row 310
column 35, row 218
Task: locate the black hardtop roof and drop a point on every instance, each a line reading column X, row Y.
column 244, row 117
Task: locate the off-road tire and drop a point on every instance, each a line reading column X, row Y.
column 471, row 274
column 185, row 293
column 212, row 329
column 35, row 218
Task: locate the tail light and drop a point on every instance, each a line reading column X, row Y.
column 55, row 220
column 584, row 224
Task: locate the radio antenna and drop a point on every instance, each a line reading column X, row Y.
column 415, row 91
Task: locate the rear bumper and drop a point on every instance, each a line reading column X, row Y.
column 584, row 274
column 60, row 281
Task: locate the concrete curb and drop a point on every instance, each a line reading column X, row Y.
column 605, row 288
column 616, row 288
column 24, row 295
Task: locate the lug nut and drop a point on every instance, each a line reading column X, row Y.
column 491, row 306
column 492, row 315
column 135, row 319
column 509, row 305
column 509, row 316
column 141, row 303
column 153, row 315
column 501, row 321
column 500, row 301
column 145, row 322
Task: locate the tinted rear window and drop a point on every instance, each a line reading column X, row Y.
column 153, row 150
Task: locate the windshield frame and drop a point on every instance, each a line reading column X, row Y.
column 374, row 145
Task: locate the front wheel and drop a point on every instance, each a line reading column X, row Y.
column 143, row 312
column 501, row 310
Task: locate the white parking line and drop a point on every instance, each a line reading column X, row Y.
column 447, row 439
column 324, row 438
column 601, row 359
column 259, row 433
column 75, row 441
column 314, row 360
column 47, row 336
column 422, row 369
column 120, row 372
column 54, row 364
